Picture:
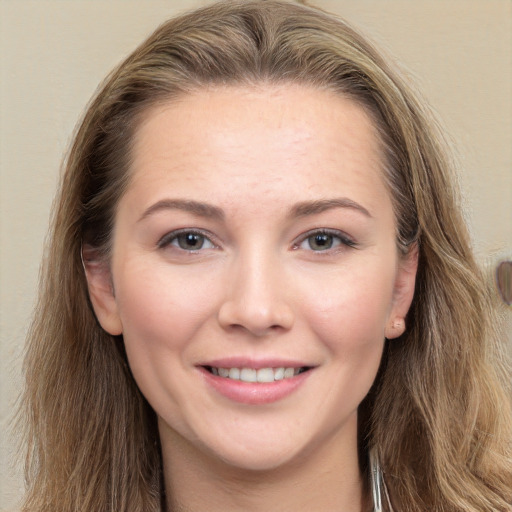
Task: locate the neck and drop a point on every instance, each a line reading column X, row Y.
column 326, row 479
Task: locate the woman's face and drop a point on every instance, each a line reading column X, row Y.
column 256, row 241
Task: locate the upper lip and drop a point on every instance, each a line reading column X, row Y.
column 244, row 362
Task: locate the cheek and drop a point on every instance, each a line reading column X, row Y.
column 350, row 320
column 162, row 310
column 162, row 313
column 351, row 310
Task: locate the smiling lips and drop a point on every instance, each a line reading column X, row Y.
column 254, row 386
column 260, row 375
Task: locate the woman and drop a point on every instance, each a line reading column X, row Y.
column 259, row 292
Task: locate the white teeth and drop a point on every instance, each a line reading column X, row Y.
column 253, row 375
column 266, row 375
column 279, row 373
column 248, row 375
column 289, row 372
column 234, row 373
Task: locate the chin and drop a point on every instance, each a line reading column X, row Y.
column 260, row 453
column 258, row 461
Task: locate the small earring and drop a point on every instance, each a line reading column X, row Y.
column 399, row 324
column 376, row 481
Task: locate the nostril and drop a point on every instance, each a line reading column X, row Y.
column 260, row 321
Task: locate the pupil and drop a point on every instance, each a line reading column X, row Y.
column 190, row 241
column 321, row 241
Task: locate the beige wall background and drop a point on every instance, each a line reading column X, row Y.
column 54, row 53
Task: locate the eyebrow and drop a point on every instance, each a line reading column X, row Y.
column 206, row 210
column 195, row 207
column 319, row 206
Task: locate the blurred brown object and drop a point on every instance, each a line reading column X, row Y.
column 504, row 281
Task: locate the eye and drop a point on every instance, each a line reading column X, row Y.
column 324, row 240
column 186, row 241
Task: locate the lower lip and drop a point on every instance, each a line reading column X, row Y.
column 254, row 393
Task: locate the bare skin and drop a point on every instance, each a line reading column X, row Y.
column 256, row 234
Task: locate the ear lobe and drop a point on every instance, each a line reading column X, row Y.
column 101, row 290
column 403, row 293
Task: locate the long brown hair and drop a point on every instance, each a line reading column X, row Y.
column 439, row 414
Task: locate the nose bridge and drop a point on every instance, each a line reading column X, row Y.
column 256, row 295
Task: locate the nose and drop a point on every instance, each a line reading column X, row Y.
column 257, row 298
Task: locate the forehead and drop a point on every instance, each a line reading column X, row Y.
column 260, row 138
column 299, row 106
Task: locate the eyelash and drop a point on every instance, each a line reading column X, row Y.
column 173, row 236
column 344, row 241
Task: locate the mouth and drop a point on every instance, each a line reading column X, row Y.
column 255, row 382
column 260, row 375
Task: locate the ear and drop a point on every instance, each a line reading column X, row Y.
column 101, row 290
column 403, row 293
